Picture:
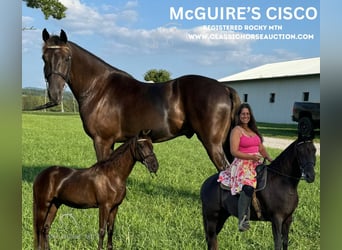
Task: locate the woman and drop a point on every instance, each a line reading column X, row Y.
column 247, row 148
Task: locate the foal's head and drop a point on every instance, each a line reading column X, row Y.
column 144, row 152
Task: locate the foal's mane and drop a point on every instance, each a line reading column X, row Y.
column 116, row 156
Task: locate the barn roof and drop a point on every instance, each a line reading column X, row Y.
column 308, row 66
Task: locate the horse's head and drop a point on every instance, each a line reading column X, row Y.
column 144, row 152
column 306, row 151
column 57, row 64
column 306, row 155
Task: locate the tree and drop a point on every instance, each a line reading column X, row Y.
column 155, row 75
column 49, row 7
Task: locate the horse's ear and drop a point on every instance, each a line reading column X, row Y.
column 63, row 36
column 45, row 35
column 305, row 130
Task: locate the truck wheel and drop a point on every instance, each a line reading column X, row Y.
column 305, row 125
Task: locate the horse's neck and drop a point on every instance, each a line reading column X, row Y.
column 88, row 73
column 123, row 162
column 286, row 163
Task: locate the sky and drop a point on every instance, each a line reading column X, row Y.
column 211, row 38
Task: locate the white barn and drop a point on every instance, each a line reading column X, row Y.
column 271, row 89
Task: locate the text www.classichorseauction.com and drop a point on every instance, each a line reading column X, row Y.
column 231, row 32
column 240, row 36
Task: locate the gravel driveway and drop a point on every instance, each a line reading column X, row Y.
column 283, row 143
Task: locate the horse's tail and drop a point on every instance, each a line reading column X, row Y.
column 235, row 103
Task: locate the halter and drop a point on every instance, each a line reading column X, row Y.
column 65, row 77
column 301, row 166
column 144, row 157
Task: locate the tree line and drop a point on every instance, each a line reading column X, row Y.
column 33, row 97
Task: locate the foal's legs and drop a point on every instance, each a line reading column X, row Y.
column 44, row 218
column 110, row 227
column 103, row 220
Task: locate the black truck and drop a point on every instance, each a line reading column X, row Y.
column 307, row 112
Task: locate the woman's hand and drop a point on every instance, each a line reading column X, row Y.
column 256, row 157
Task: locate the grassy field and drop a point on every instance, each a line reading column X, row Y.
column 163, row 212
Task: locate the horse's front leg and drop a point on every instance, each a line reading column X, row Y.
column 103, row 219
column 211, row 234
column 103, row 148
column 110, row 227
column 277, row 230
column 285, row 232
column 217, row 156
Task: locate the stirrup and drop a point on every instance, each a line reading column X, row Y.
column 244, row 224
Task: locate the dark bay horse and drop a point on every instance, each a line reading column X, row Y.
column 114, row 106
column 101, row 186
column 277, row 201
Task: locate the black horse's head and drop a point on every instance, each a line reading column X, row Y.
column 306, row 155
column 144, row 152
column 306, row 152
column 57, row 64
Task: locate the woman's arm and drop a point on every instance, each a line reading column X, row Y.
column 263, row 152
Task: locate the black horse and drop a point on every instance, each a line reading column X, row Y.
column 114, row 106
column 278, row 200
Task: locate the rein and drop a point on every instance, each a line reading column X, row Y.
column 284, row 175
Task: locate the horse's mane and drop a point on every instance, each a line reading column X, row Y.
column 279, row 160
column 55, row 40
column 99, row 59
column 116, row 155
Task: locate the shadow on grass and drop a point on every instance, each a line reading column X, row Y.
column 158, row 188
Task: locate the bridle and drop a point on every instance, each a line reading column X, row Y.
column 144, row 157
column 66, row 77
column 301, row 165
column 306, row 164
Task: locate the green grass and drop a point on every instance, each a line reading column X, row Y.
column 287, row 131
column 163, row 212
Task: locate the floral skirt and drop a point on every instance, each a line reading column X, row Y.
column 240, row 173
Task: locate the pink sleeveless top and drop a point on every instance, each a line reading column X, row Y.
column 249, row 144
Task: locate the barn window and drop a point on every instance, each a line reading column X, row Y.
column 272, row 97
column 305, row 96
column 245, row 97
